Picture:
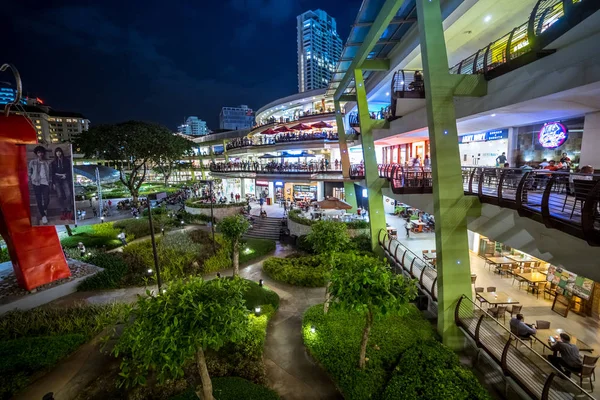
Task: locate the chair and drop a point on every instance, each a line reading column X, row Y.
column 505, row 270
column 519, row 279
column 582, row 188
column 514, row 310
column 473, row 279
column 538, row 287
column 491, row 289
column 497, row 312
column 433, row 251
column 425, row 251
column 540, row 324
column 550, row 291
column 527, row 338
column 480, row 299
column 587, row 370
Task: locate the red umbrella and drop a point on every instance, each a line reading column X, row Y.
column 321, row 125
column 269, row 132
column 283, row 129
column 301, row 127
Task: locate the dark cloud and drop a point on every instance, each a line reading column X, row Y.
column 160, row 61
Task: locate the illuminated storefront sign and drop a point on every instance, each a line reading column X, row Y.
column 262, row 183
column 553, row 135
column 484, row 136
column 278, row 183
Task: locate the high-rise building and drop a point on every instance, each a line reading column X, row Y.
column 319, row 49
column 234, row 118
column 193, row 127
column 52, row 126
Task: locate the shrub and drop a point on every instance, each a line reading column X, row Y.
column 90, row 240
column 336, row 343
column 361, row 243
column 217, row 262
column 358, row 224
column 4, row 256
column 256, row 295
column 295, row 215
column 257, row 247
column 137, row 227
column 115, row 270
column 303, row 244
column 310, row 271
column 179, row 256
column 440, row 376
column 232, row 388
column 328, row 237
column 20, row 358
column 195, row 203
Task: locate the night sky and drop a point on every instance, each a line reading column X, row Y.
column 158, row 60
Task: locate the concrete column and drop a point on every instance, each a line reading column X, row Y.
column 272, row 192
column 450, row 206
column 373, row 181
column 243, row 188
column 590, row 142
column 211, row 152
column 320, row 190
column 511, row 155
column 344, row 155
column 225, row 150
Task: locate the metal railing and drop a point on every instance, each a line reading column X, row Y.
column 548, row 20
column 282, row 138
column 273, row 168
column 403, row 179
column 530, row 370
column 408, row 84
column 407, row 263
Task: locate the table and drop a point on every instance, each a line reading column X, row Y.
column 542, row 336
column 496, row 298
column 521, row 260
column 419, row 225
column 533, row 277
column 499, row 261
column 431, row 257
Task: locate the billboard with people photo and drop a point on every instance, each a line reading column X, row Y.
column 50, row 181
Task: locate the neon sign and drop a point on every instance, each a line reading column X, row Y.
column 553, row 135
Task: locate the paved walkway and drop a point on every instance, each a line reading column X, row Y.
column 290, row 370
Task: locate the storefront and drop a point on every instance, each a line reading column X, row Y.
column 335, row 189
column 483, row 148
column 279, row 190
column 549, row 141
column 404, row 153
column 300, row 191
column 262, row 189
column 232, row 185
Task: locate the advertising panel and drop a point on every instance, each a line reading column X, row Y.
column 50, row 182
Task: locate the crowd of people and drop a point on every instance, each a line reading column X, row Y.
column 297, row 115
column 322, row 164
column 282, row 137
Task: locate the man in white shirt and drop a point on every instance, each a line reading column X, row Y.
column 39, row 177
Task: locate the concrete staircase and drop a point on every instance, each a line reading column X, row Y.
column 265, row 228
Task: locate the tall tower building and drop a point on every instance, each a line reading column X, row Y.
column 319, row 49
column 194, row 127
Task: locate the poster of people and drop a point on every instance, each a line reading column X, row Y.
column 50, row 180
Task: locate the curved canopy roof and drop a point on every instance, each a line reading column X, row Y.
column 107, row 174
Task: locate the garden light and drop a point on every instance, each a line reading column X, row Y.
column 101, row 219
column 150, row 271
column 164, row 291
column 182, row 222
column 218, row 274
column 89, row 254
column 313, row 329
column 260, row 282
column 257, row 311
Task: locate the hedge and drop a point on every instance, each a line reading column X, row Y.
column 335, row 344
column 232, row 388
column 4, row 256
column 295, row 215
column 256, row 295
column 310, row 271
column 195, row 203
column 111, row 277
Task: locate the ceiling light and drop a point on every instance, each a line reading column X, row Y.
column 488, row 18
column 493, row 115
column 387, row 93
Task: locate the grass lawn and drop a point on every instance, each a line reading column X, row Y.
column 255, row 248
column 233, row 389
column 335, row 343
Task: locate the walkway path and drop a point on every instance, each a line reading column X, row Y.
column 290, row 370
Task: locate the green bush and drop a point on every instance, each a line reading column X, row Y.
column 4, row 256
column 303, row 244
column 295, row 215
column 335, row 343
column 358, row 224
column 95, row 236
column 253, row 248
column 136, row 227
column 361, row 243
column 310, row 271
column 440, row 376
column 219, row 261
column 115, row 270
column 256, row 295
column 196, row 203
column 21, row 358
column 232, row 388
column 81, row 319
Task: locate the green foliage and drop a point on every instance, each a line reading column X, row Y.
column 336, row 344
column 365, row 283
column 189, row 218
column 296, row 216
column 310, row 271
column 440, row 376
column 196, row 203
column 254, row 248
column 178, row 256
column 361, row 243
column 4, row 256
column 328, row 237
column 255, row 295
column 95, row 236
column 115, row 270
column 170, row 328
column 21, row 358
column 222, row 260
column 233, row 228
column 136, row 227
column 358, row 224
column 232, row 388
column 304, row 245
column 82, row 319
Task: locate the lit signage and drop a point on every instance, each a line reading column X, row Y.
column 279, row 183
column 294, row 152
column 553, row 135
column 484, row 136
column 262, row 183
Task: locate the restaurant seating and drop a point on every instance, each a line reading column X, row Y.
column 550, row 291
column 480, row 299
column 519, row 279
column 582, row 188
column 514, row 310
column 541, row 324
column 587, row 370
column 526, row 338
column 538, row 287
column 505, row 270
column 491, row 289
column 473, row 279
column 498, row 311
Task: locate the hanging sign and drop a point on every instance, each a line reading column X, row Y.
column 553, row 135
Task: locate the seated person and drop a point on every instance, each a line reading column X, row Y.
column 552, row 166
column 520, row 328
column 569, row 359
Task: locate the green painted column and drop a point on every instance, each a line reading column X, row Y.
column 345, row 157
column 193, row 173
column 450, row 207
column 211, row 152
column 372, row 179
column 225, row 150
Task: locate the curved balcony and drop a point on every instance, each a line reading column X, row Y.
column 403, row 180
column 273, row 168
column 307, row 116
column 282, row 138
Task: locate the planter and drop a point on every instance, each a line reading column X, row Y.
column 218, row 212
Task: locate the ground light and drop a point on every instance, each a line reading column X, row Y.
column 260, row 282
column 313, row 329
column 218, row 274
column 150, row 271
column 257, row 311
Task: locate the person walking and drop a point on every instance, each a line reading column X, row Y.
column 408, row 227
column 40, row 179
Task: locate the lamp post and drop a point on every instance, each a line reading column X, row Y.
column 158, row 280
column 212, row 218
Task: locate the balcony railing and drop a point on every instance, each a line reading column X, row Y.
column 282, row 138
column 403, row 179
column 274, row 168
column 305, row 115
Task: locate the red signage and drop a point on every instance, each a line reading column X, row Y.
column 262, row 183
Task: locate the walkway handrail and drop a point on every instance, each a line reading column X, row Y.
column 467, row 313
column 271, row 169
column 276, row 141
column 410, row 264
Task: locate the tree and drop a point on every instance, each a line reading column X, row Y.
column 366, row 284
column 130, row 146
column 233, row 228
column 170, row 155
column 328, row 237
column 177, row 327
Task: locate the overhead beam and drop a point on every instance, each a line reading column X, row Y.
column 376, row 65
column 347, row 97
column 354, row 44
column 395, row 21
column 380, row 24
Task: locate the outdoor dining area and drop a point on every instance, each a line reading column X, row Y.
column 331, row 209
